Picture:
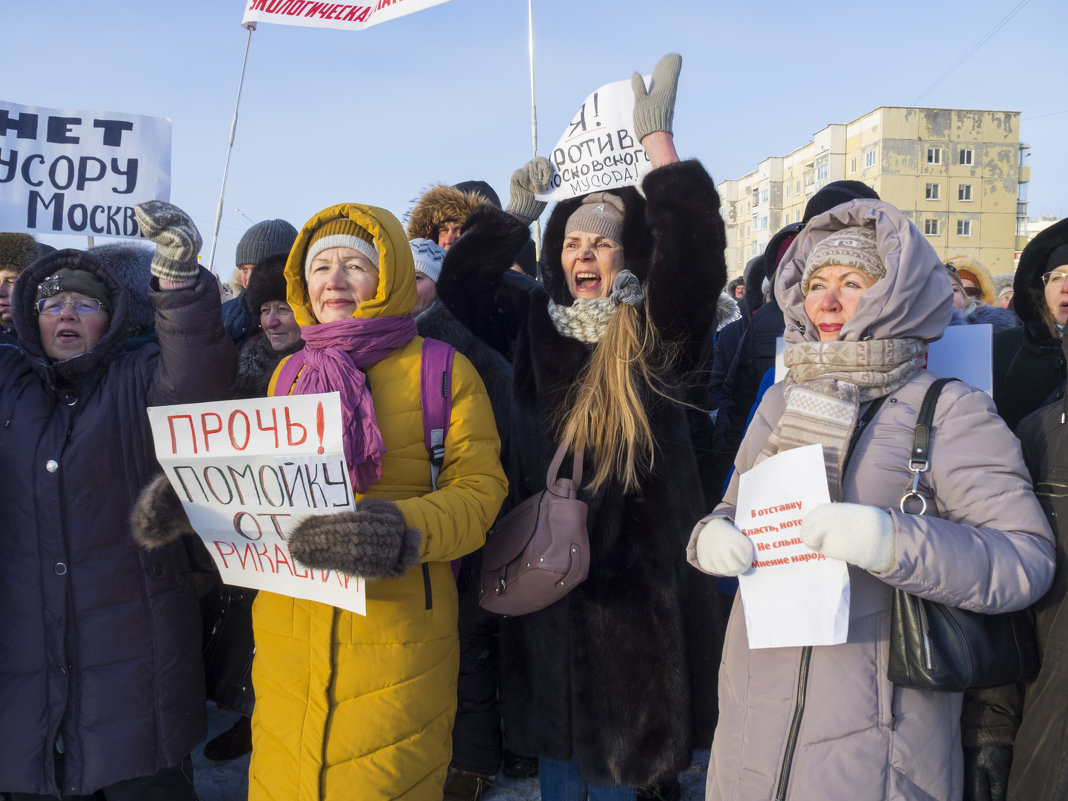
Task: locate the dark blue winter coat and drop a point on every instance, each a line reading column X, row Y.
column 99, row 640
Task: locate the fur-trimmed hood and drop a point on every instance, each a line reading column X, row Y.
column 132, row 264
column 986, row 282
column 441, row 203
column 637, row 242
column 1029, row 296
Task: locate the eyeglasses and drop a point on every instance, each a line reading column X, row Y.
column 973, row 292
column 54, row 306
column 1054, row 277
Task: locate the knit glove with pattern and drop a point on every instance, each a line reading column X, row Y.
column 177, row 240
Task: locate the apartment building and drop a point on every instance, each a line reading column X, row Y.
column 960, row 175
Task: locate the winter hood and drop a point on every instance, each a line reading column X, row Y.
column 396, row 269
column 1029, row 295
column 915, row 299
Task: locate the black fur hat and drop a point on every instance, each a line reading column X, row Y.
column 267, row 283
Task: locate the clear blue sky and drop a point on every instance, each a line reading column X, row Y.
column 443, row 95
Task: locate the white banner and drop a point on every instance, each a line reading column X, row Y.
column 80, row 172
column 344, row 16
column 599, row 151
column 247, row 472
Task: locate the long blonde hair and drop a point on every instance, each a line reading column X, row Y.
column 605, row 408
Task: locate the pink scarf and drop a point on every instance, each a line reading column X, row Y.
column 335, row 355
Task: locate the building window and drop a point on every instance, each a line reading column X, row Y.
column 763, row 223
column 964, row 227
column 786, row 189
column 930, row 227
column 933, row 192
column 756, row 197
column 797, row 188
column 869, row 159
column 821, row 172
column 934, row 155
column 966, row 157
column 764, row 196
column 852, row 166
column 964, row 192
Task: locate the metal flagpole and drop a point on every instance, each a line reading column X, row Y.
column 533, row 115
column 229, row 150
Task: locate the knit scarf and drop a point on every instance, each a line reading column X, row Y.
column 586, row 320
column 335, row 355
column 827, row 383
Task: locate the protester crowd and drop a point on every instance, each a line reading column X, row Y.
column 622, row 349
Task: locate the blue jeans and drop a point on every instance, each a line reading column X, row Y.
column 560, row 782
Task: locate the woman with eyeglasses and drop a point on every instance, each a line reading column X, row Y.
column 1029, row 364
column 101, row 678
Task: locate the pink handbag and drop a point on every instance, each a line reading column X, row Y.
column 539, row 551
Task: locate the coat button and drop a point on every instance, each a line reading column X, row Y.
column 51, row 465
column 61, row 569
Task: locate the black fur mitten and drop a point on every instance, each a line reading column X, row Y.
column 371, row 541
column 157, row 517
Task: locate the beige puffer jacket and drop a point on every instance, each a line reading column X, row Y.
column 859, row 737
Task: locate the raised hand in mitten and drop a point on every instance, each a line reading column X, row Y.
column 858, row 534
column 654, row 109
column 723, row 550
column 529, row 180
column 157, row 517
column 177, row 240
column 372, row 541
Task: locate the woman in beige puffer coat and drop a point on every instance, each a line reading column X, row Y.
column 825, row 722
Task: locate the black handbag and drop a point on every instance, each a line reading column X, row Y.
column 943, row 648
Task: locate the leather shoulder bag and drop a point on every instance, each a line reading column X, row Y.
column 939, row 647
column 539, row 551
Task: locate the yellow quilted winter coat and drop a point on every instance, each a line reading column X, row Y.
column 354, row 707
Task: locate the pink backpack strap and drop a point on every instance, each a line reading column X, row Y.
column 288, row 375
column 437, row 401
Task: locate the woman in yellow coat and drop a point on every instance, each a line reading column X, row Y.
column 351, row 706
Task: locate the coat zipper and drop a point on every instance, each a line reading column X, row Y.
column 795, row 724
column 925, row 631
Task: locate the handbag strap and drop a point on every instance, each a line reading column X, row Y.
column 920, row 455
column 552, row 477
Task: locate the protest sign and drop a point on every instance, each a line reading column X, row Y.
column 344, row 16
column 599, row 150
column 792, row 595
column 80, row 172
column 247, row 472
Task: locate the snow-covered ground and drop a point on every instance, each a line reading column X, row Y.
column 228, row 781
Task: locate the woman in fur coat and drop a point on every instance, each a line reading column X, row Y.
column 599, row 682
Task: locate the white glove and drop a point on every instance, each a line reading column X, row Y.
column 858, row 534
column 723, row 550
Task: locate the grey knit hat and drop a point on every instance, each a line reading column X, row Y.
column 849, row 247
column 1002, row 284
column 600, row 213
column 428, row 256
column 264, row 239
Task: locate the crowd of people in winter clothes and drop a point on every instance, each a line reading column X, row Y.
column 623, row 340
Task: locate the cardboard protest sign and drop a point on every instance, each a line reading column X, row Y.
column 344, row 16
column 599, row 150
column 792, row 595
column 80, row 172
column 247, row 472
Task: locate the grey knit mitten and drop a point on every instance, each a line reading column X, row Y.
column 157, row 517
column 371, row 541
column 654, row 110
column 177, row 240
column 530, row 179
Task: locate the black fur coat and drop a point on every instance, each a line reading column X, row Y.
column 621, row 673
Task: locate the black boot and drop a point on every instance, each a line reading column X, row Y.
column 232, row 743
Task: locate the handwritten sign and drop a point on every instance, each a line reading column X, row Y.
column 345, row 16
column 80, row 172
column 599, row 150
column 792, row 595
column 247, row 472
